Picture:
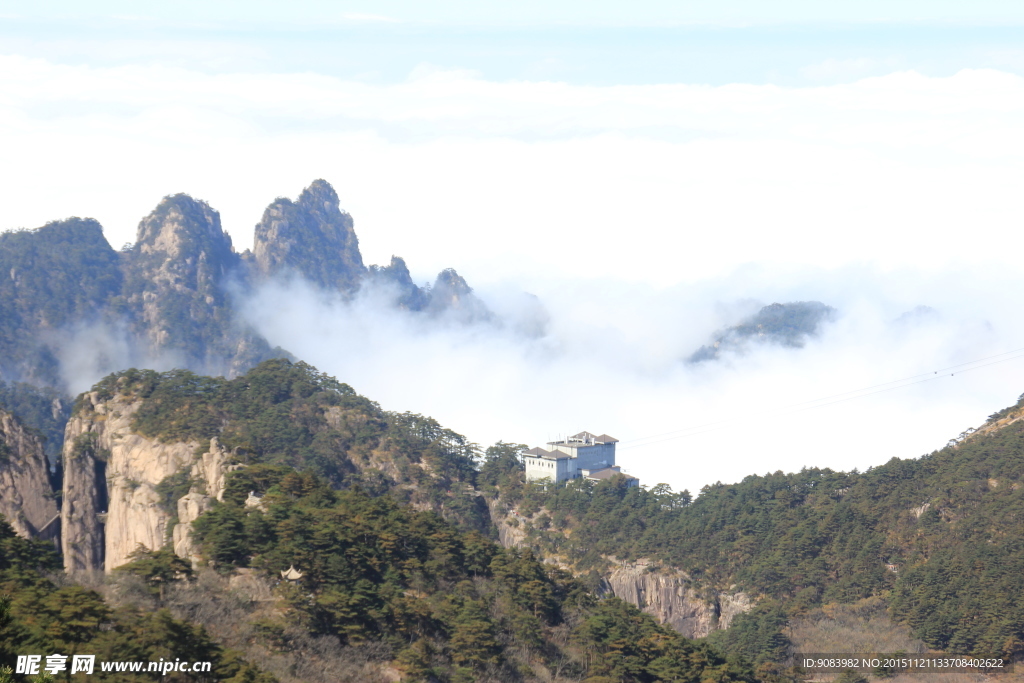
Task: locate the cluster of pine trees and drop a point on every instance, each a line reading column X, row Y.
column 40, row 617
column 448, row 602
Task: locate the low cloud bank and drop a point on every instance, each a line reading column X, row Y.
column 610, row 357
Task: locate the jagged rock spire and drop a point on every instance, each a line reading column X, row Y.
column 183, row 229
column 310, row 237
column 176, row 288
column 396, row 275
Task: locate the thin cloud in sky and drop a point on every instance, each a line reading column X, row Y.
column 441, row 167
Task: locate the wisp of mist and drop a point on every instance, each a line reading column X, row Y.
column 610, row 357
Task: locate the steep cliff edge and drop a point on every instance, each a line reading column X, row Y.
column 673, row 598
column 116, row 486
column 26, row 499
column 84, row 501
column 206, row 485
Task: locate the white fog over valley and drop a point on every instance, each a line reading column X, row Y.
column 612, row 355
column 611, row 229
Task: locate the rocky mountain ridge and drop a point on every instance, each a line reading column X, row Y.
column 171, row 299
column 785, row 324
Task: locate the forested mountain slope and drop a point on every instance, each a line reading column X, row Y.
column 52, row 278
column 941, row 537
column 386, row 520
column 364, row 527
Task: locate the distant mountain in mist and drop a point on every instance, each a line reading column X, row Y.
column 171, row 299
column 789, row 324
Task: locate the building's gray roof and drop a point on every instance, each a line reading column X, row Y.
column 548, row 455
column 608, row 473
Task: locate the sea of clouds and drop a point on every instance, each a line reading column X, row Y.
column 639, row 218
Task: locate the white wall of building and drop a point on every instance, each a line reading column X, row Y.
column 549, row 468
column 590, row 457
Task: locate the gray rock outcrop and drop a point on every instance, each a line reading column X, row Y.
column 207, row 477
column 84, row 502
column 671, row 597
column 26, row 498
column 396, row 280
column 176, row 288
column 311, row 237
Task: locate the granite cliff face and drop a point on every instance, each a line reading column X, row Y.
column 672, row 598
column 207, row 485
column 26, row 499
column 112, row 500
column 511, row 532
column 84, row 503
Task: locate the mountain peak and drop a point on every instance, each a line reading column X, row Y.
column 183, row 226
column 320, row 195
column 311, row 237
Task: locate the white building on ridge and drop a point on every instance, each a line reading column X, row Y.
column 582, row 455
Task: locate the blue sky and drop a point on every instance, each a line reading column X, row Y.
column 597, row 43
column 534, row 12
